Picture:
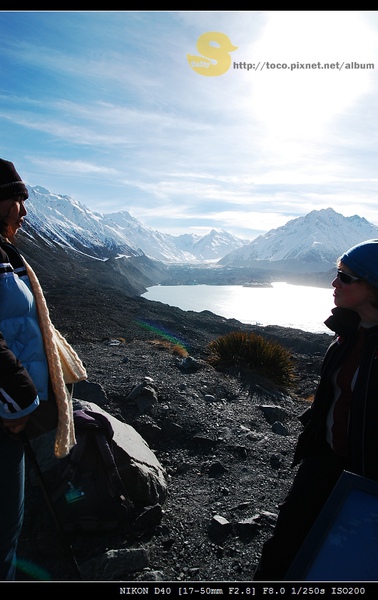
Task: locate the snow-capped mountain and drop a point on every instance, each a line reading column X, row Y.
column 213, row 245
column 68, row 223
column 306, row 244
column 311, row 243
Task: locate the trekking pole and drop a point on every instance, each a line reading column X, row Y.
column 50, row 503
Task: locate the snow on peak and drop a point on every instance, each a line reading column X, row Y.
column 71, row 224
column 318, row 238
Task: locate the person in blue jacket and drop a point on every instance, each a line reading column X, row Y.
column 30, row 369
column 340, row 427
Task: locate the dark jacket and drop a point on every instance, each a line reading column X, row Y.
column 18, row 394
column 363, row 428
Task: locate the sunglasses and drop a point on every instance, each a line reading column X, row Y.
column 346, row 278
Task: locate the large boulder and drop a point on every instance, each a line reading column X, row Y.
column 142, row 474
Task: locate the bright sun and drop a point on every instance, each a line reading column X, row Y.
column 297, row 104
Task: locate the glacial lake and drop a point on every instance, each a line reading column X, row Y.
column 299, row 307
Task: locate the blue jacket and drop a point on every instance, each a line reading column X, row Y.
column 23, row 364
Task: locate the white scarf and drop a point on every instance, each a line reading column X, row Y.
column 64, row 365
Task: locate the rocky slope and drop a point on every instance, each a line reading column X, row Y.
column 226, row 451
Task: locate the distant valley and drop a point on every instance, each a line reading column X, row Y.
column 64, row 239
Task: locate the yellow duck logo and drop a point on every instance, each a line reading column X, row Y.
column 219, row 53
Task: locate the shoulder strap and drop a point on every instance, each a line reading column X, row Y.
column 110, row 465
column 74, row 458
column 14, row 256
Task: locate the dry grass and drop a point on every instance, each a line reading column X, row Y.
column 175, row 349
column 252, row 352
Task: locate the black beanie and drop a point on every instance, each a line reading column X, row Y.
column 11, row 183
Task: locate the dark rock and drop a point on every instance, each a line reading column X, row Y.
column 274, row 413
column 115, row 565
column 217, row 468
column 247, row 528
column 90, row 392
column 219, row 528
column 147, row 519
column 190, row 364
column 279, row 428
column 210, row 398
column 144, row 395
column 276, row 461
column 204, row 441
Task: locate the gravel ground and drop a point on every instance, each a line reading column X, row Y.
column 223, row 456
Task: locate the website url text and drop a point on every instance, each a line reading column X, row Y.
column 338, row 66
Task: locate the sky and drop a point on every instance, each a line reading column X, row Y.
column 194, row 120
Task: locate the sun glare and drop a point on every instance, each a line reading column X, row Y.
column 294, row 102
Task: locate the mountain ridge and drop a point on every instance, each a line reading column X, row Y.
column 309, row 243
column 312, row 243
column 71, row 223
column 62, row 237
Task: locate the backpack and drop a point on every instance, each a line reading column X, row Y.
column 91, row 496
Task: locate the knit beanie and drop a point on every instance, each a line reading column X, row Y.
column 362, row 259
column 11, row 183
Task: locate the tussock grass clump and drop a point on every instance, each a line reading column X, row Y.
column 175, row 349
column 252, row 352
